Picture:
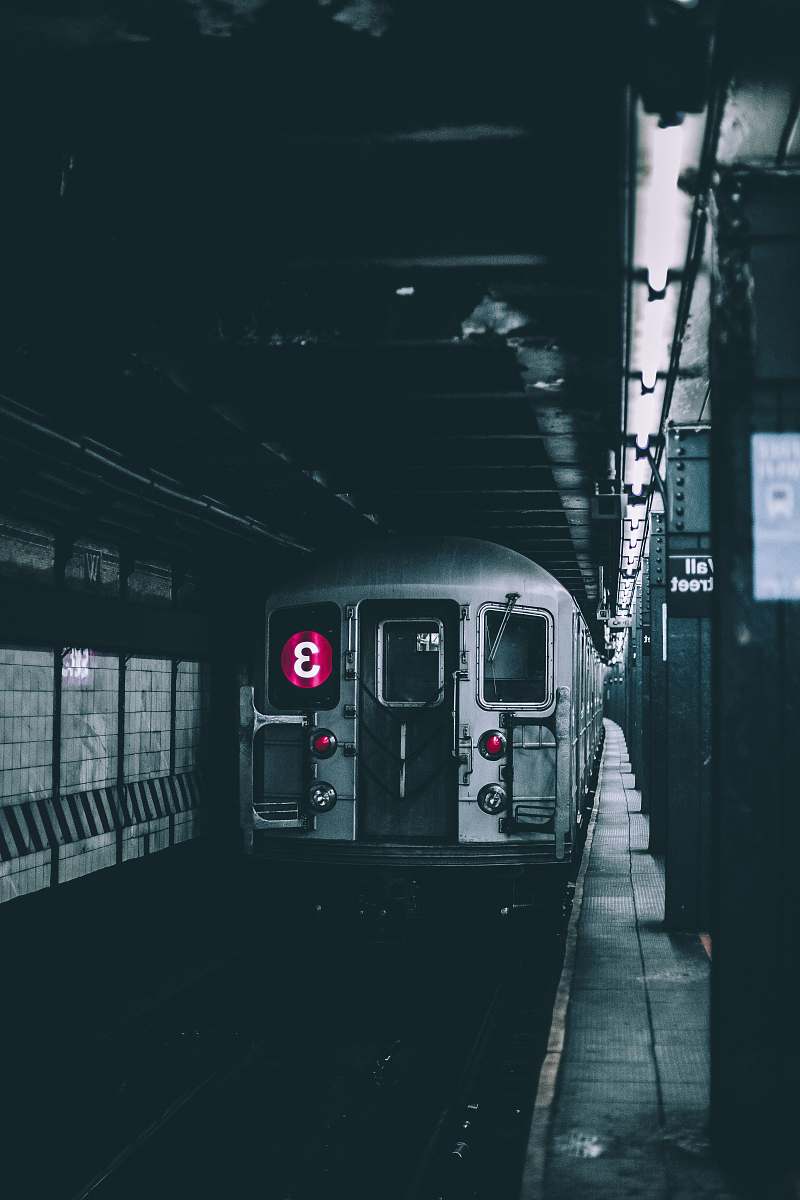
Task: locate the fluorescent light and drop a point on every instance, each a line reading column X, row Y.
column 644, row 415
column 637, row 471
column 663, row 208
column 653, row 341
column 404, row 291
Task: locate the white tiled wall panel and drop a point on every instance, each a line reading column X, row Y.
column 186, row 826
column 89, row 713
column 147, row 718
column 26, row 724
column 89, row 763
column 91, row 854
column 190, row 711
column 25, row 549
column 146, row 838
column 21, row 876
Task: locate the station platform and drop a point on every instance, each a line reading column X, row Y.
column 622, row 1104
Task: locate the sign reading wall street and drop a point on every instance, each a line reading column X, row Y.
column 776, row 516
column 690, row 585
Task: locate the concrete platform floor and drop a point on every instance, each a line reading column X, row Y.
column 629, row 1088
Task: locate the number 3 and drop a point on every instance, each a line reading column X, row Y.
column 302, row 657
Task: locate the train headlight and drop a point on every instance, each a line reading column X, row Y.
column 493, row 745
column 492, row 799
column 321, row 797
column 323, row 743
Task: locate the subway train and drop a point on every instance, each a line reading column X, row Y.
column 424, row 703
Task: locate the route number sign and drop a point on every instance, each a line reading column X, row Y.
column 307, row 659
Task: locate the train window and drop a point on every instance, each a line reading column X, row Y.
column 515, row 657
column 410, row 662
column 304, row 656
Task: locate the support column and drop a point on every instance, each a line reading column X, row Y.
column 755, row 1077
column 633, row 732
column 689, row 578
column 646, row 651
column 615, row 695
column 657, row 570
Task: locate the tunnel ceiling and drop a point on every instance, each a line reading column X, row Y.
column 348, row 269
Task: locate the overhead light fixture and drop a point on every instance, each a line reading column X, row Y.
column 653, row 339
column 663, row 212
column 404, row 291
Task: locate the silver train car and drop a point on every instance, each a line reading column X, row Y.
column 423, row 702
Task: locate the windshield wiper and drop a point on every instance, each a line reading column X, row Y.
column 511, row 600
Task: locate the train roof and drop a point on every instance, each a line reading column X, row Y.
column 464, row 564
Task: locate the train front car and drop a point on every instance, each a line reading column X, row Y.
column 425, row 702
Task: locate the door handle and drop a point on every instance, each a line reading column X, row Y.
column 456, row 749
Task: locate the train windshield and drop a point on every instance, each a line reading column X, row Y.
column 518, row 670
column 410, row 663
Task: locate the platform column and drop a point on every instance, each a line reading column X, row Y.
column 633, row 733
column 643, row 621
column 756, row 457
column 689, row 580
column 644, row 642
column 657, row 773
column 615, row 695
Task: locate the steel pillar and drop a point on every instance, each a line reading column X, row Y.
column 657, row 770
column 633, row 733
column 756, row 921
column 688, row 742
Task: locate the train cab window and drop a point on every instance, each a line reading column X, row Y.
column 515, row 657
column 410, row 663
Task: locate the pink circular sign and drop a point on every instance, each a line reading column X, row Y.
column 307, row 659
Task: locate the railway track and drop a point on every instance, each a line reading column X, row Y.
column 386, row 1066
column 389, row 1058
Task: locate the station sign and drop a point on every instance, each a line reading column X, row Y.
column 690, row 585
column 775, row 460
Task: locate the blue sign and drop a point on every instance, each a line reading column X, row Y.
column 776, row 515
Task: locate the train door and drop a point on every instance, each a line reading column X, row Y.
column 407, row 774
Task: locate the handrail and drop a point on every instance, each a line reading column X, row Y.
column 456, row 748
column 250, row 722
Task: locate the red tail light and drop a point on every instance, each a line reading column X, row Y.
column 323, row 743
column 493, row 745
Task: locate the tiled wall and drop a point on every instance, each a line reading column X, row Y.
column 147, row 718
column 21, row 876
column 28, row 551
column 51, row 842
column 191, row 697
column 25, row 550
column 26, row 724
column 89, row 721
